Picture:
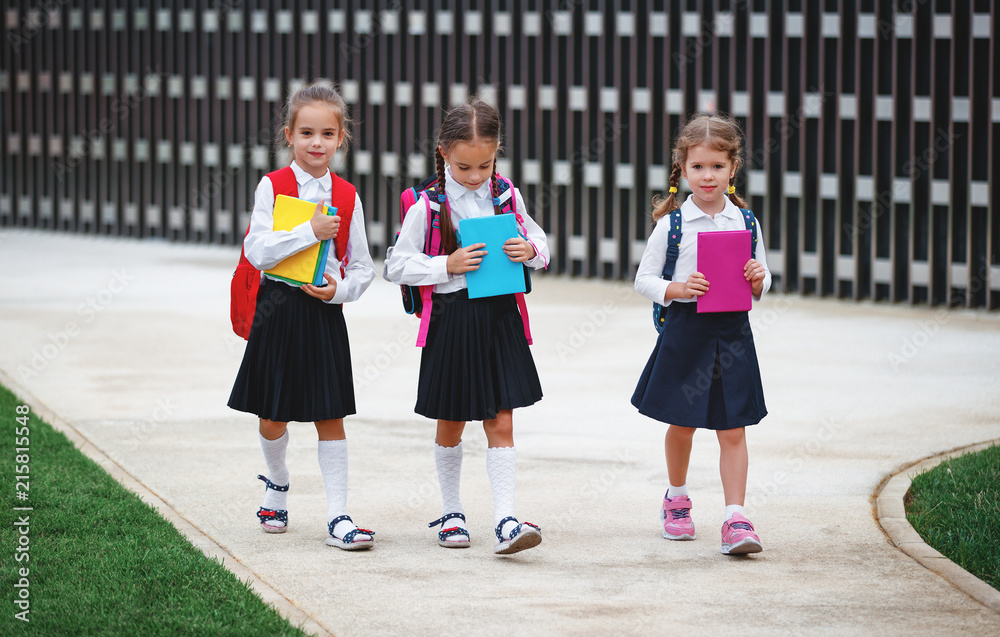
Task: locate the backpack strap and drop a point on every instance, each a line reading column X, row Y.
column 673, row 245
column 342, row 197
column 283, row 182
column 432, row 247
column 508, row 204
column 750, row 221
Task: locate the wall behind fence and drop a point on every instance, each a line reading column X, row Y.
column 871, row 125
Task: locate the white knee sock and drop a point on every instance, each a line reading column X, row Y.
column 277, row 472
column 501, row 467
column 333, row 464
column 449, row 470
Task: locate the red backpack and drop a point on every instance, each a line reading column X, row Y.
column 418, row 299
column 246, row 279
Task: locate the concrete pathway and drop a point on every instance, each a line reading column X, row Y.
column 128, row 343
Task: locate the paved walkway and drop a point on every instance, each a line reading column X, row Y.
column 128, row 342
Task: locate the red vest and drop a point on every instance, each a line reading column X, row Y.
column 246, row 279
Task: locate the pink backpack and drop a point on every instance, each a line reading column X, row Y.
column 418, row 300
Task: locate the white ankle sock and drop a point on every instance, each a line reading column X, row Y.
column 333, row 464
column 501, row 466
column 277, row 473
column 673, row 492
column 449, row 470
column 733, row 509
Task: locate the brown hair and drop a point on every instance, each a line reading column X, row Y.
column 473, row 123
column 320, row 91
column 719, row 132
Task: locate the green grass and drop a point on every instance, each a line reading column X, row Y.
column 101, row 561
column 955, row 507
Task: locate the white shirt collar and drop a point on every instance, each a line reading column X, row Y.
column 690, row 210
column 456, row 190
column 302, row 177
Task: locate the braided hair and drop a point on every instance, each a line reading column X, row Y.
column 473, row 123
column 719, row 132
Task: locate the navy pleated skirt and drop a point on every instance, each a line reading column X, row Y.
column 297, row 363
column 476, row 361
column 703, row 372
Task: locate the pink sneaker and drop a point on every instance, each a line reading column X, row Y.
column 676, row 517
column 738, row 537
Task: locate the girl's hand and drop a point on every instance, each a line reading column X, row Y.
column 324, row 226
column 324, row 293
column 466, row 259
column 519, row 250
column 754, row 272
column 695, row 286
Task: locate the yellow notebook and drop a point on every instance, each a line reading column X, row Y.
column 308, row 265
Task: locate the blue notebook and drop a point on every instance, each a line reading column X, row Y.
column 497, row 274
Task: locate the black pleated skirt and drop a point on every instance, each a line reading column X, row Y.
column 476, row 361
column 297, row 363
column 703, row 372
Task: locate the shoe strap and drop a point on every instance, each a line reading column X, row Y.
column 676, row 503
column 281, row 515
column 271, row 485
column 455, row 530
column 499, row 531
column 441, row 520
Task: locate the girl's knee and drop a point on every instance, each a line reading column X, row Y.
column 732, row 436
column 271, row 429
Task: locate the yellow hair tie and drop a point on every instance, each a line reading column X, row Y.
column 673, row 189
column 731, row 190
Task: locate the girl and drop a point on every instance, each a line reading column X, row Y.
column 297, row 364
column 476, row 364
column 708, row 155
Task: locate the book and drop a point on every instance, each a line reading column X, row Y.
column 721, row 257
column 309, row 264
column 497, row 274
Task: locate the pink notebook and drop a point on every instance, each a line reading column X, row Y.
column 721, row 257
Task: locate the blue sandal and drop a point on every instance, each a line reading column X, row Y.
column 279, row 515
column 348, row 542
column 444, row 533
column 524, row 536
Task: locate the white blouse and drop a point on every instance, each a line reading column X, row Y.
column 265, row 248
column 648, row 281
column 408, row 265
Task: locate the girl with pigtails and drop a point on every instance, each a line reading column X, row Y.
column 475, row 364
column 693, row 346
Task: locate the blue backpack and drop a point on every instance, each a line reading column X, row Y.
column 673, row 250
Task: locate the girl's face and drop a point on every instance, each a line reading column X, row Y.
column 708, row 172
column 471, row 164
column 315, row 137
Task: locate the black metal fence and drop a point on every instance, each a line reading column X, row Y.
column 871, row 125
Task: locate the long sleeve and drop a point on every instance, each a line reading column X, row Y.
column 535, row 236
column 648, row 277
column 407, row 264
column 264, row 247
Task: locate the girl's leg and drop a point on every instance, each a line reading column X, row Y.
column 332, row 453
column 738, row 536
column 274, row 444
column 501, row 461
column 676, row 508
column 677, row 449
column 448, row 459
column 733, row 462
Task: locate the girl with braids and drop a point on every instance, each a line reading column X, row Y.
column 297, row 363
column 476, row 364
column 703, row 372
